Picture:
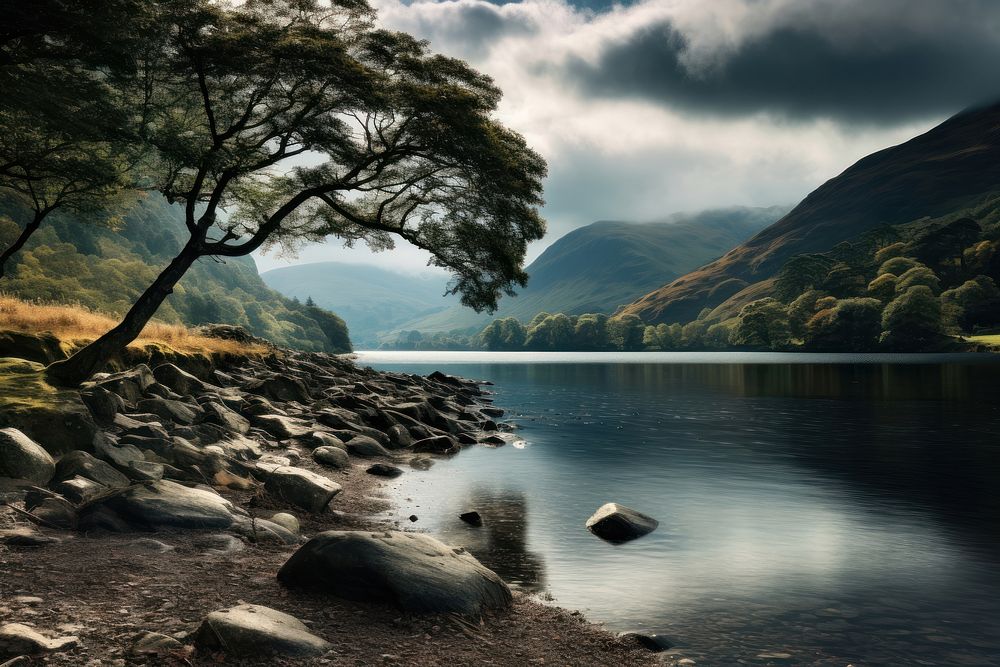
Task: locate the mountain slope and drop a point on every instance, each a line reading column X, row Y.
column 950, row 167
column 370, row 299
column 604, row 265
column 105, row 270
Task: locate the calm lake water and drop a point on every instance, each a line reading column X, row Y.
column 814, row 509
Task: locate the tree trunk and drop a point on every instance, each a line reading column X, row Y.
column 92, row 358
column 26, row 233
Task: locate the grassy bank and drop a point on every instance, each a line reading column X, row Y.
column 75, row 326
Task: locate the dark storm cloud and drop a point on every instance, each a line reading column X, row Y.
column 880, row 66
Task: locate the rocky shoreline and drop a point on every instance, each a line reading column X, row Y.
column 163, row 517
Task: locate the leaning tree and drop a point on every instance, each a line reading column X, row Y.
column 287, row 121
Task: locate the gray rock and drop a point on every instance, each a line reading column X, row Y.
column 179, row 380
column 23, row 458
column 384, row 470
column 154, row 644
column 415, row 572
column 79, row 490
column 17, row 639
column 366, row 447
column 251, row 630
column 56, row 513
column 617, row 523
column 82, row 464
column 164, row 504
column 120, row 455
column 321, row 439
column 437, row 444
column 399, row 436
column 331, row 456
column 144, row 471
column 174, row 411
column 282, row 427
column 287, row 521
column 130, row 384
column 490, row 411
column 263, row 531
column 230, row 420
column 301, row 487
column 280, row 388
column 103, row 404
column 218, row 544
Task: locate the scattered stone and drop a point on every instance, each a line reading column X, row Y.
column 251, row 630
column 491, row 411
column 282, row 427
column 415, row 572
column 130, row 384
column 287, row 521
column 218, row 544
column 617, row 523
column 23, row 458
column 331, row 456
column 399, row 436
column 27, row 537
column 162, row 504
column 472, row 518
column 103, row 404
column 177, row 412
column 153, row 643
column 301, row 487
column 17, row 639
column 230, row 420
column 82, row 464
column 414, row 518
column 79, row 490
column 438, row 444
column 384, row 470
column 180, row 380
column 366, row 447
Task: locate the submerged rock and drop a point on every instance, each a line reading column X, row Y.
column 250, row 630
column 472, row 518
column 414, row 572
column 617, row 523
column 654, row 643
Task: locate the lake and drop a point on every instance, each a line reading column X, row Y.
column 813, row 509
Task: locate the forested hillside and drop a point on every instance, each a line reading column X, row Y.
column 954, row 166
column 106, row 269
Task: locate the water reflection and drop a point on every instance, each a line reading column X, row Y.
column 501, row 543
column 837, row 514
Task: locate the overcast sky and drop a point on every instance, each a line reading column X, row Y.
column 659, row 106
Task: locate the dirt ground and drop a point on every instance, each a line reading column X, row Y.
column 108, row 588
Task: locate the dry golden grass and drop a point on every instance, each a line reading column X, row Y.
column 75, row 323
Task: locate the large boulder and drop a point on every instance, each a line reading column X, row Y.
column 162, row 504
column 103, row 404
column 251, row 630
column 301, row 487
column 280, row 388
column 84, row 465
column 617, row 523
column 437, row 444
column 414, row 572
column 23, row 458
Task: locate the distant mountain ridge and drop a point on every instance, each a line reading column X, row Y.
column 951, row 167
column 370, row 299
column 607, row 264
